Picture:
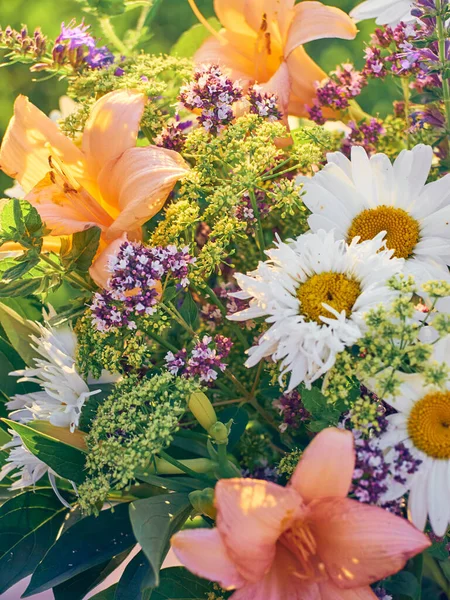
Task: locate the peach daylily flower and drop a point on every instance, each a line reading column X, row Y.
column 306, row 541
column 108, row 182
column 262, row 41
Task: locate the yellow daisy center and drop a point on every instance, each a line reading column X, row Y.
column 335, row 289
column 402, row 231
column 429, row 424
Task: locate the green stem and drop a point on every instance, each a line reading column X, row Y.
column 442, row 38
column 434, row 572
column 108, row 30
column 162, row 342
column 72, row 277
column 417, row 570
column 179, row 465
column 259, row 231
column 268, row 177
column 407, row 99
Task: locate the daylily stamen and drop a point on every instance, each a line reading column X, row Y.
column 205, row 23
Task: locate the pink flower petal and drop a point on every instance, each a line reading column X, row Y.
column 251, row 516
column 360, row 544
column 328, row 591
column 112, row 127
column 314, row 21
column 280, row 84
column 231, row 15
column 139, row 183
column 237, row 63
column 304, row 73
column 326, row 466
column 99, row 270
column 203, row 552
column 31, row 137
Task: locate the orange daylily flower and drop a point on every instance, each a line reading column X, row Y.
column 262, row 41
column 108, row 182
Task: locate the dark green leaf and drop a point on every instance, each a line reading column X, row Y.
column 77, row 587
column 239, row 416
column 92, row 404
column 154, row 521
column 323, row 414
column 23, row 287
column 65, row 460
column 29, row 524
column 90, row 542
column 20, row 222
column 174, row 483
column 191, row 40
column 107, row 594
column 189, row 311
column 136, row 580
column 10, row 361
column 177, row 583
column 83, row 249
column 438, row 550
column 403, row 583
column 19, row 328
column 21, row 267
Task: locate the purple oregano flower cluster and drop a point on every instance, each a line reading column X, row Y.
column 76, row 45
column 291, row 410
column 133, row 288
column 204, row 361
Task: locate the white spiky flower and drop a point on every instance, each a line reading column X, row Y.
column 314, row 292
column 422, row 424
column 386, row 12
column 364, row 196
column 26, row 468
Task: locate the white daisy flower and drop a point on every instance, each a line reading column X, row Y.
column 314, row 292
column 422, row 424
column 64, row 390
column 386, row 12
column 364, row 196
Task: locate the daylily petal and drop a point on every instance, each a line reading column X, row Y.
column 231, row 14
column 99, row 270
column 31, row 137
column 251, row 516
column 238, row 63
column 112, row 127
column 280, row 84
column 304, row 73
column 203, row 552
column 326, row 466
column 139, row 182
column 272, row 16
column 314, row 21
column 328, row 591
column 65, row 210
column 360, row 544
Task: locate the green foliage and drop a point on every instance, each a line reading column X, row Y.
column 324, row 414
column 178, row 584
column 191, row 40
column 136, row 580
column 83, row 248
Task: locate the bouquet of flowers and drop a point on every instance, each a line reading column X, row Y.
column 224, row 310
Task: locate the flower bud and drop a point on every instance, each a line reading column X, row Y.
column 203, row 502
column 203, row 410
column 219, row 432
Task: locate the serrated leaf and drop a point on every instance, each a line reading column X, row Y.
column 189, row 311
column 21, row 268
column 67, row 461
column 82, row 251
column 154, row 521
column 177, row 583
column 191, row 40
column 22, row 287
column 29, row 524
column 20, row 222
column 88, row 543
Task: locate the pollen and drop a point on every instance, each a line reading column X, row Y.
column 402, row 231
column 335, row 289
column 429, row 424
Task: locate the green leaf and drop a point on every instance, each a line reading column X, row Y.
column 108, row 594
column 239, row 416
column 65, row 460
column 10, row 361
column 77, row 587
column 154, row 521
column 136, row 580
column 191, row 40
column 174, row 483
column 323, row 414
column 19, row 329
column 438, row 550
column 189, row 311
column 92, row 405
column 21, row 267
column 20, row 222
column 88, row 543
column 83, row 249
column 403, row 583
column 106, row 7
column 29, row 524
column 23, row 287
column 177, row 583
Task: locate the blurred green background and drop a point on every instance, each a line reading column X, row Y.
column 172, row 18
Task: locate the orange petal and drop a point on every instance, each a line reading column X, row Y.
column 326, row 466
column 203, row 552
column 328, row 591
column 269, row 16
column 65, row 210
column 99, row 270
column 251, row 516
column 237, row 60
column 140, row 181
column 231, row 15
column 50, row 243
column 315, row 21
column 360, row 544
column 112, row 127
column 304, row 73
column 280, row 84
column 31, row 137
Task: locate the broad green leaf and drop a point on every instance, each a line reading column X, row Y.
column 82, row 251
column 10, row 361
column 77, row 587
column 29, row 524
column 170, row 483
column 239, row 416
column 191, row 40
column 88, row 543
column 323, row 414
column 189, row 311
column 108, row 594
column 19, row 287
column 19, row 329
column 403, row 583
column 154, row 521
column 136, row 580
column 177, row 583
column 67, row 461
column 20, row 222
column 21, row 267
column 92, row 404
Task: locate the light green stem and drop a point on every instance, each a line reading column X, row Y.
column 108, row 30
column 259, row 231
column 442, row 38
